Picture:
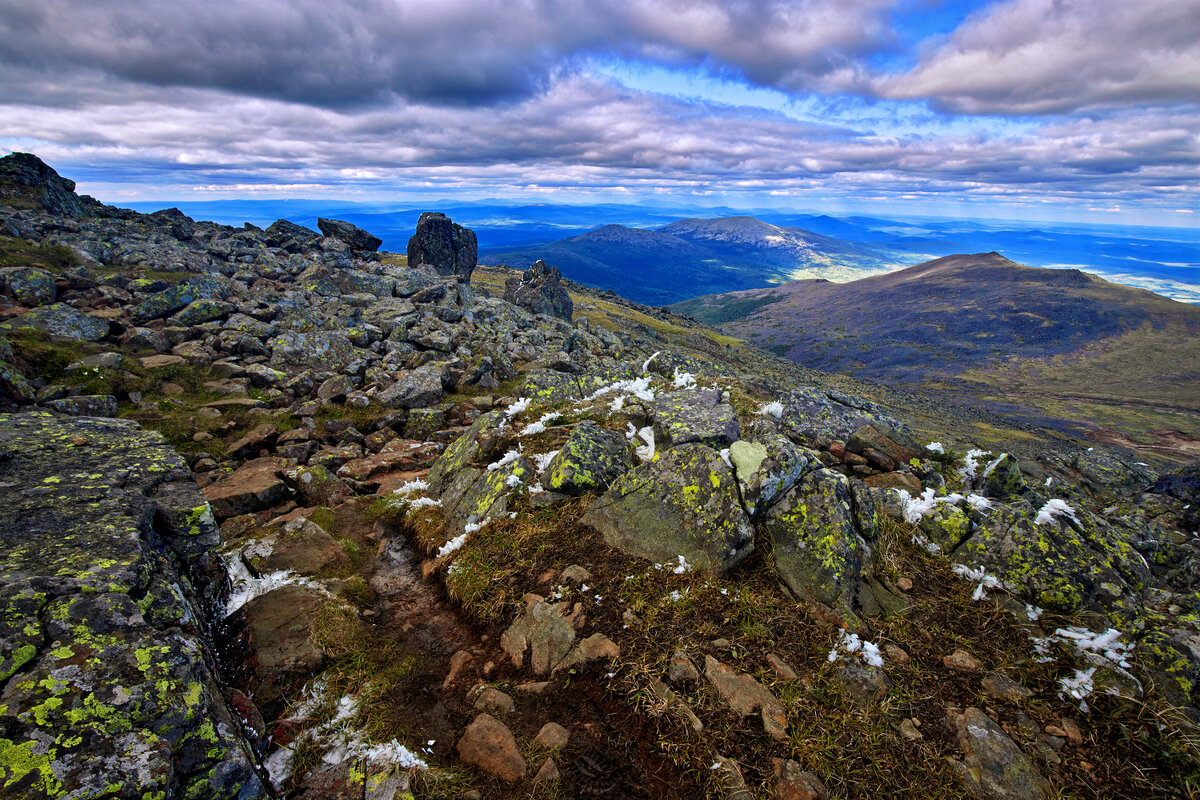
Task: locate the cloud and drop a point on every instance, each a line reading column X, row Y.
column 591, row 135
column 340, row 53
column 1058, row 56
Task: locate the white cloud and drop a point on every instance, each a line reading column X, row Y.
column 1054, row 56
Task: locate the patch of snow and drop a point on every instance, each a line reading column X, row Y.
column 851, row 643
column 684, row 380
column 519, row 405
column 646, row 451
column 916, row 507
column 638, row 387
column 246, row 587
column 512, row 481
column 452, row 545
column 505, row 460
column 936, row 447
column 1054, row 508
column 986, row 581
column 995, row 463
column 423, row 502
column 542, row 460
column 978, row 502
column 771, row 409
column 724, row 454
column 646, row 363
column 683, row 566
column 410, row 487
column 971, row 463
column 534, row 428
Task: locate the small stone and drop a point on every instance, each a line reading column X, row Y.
column 682, row 670
column 909, row 731
column 1054, row 730
column 547, row 772
column 904, row 584
column 1002, row 687
column 962, row 661
column 489, row 745
column 457, row 661
column 495, row 701
column 552, row 736
column 1072, row 732
column 791, row 782
column 781, row 668
column 533, row 687
column 576, row 574
column 897, row 654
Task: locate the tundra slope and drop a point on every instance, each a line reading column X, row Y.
column 478, row 549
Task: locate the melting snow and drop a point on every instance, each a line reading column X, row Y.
column 851, row 643
column 772, row 409
column 971, row 462
column 410, row 487
column 1054, row 508
column 986, row 581
column 505, row 460
column 246, row 587
column 534, row 428
column 646, row 451
column 684, row 380
column 936, row 447
column 518, row 406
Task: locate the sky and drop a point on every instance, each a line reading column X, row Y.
column 1063, row 110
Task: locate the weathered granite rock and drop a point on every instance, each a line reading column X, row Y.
column 590, row 460
column 695, row 415
column 254, row 486
column 545, row 632
column 884, row 447
column 539, row 290
column 168, row 301
column 820, row 416
column 61, row 320
column 105, row 695
column 27, row 181
column 315, row 485
column 417, row 388
column 449, row 248
column 289, row 235
column 356, row 237
column 684, row 503
column 300, row 546
column 28, row 286
column 993, row 767
column 767, row 468
column 86, row 405
column 330, row 350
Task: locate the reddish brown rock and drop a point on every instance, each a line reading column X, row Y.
column 489, row 745
column 254, row 486
column 791, row 782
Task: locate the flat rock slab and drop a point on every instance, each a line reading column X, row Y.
column 489, row 745
column 993, row 766
column 744, row 695
column 105, row 695
column 254, row 486
column 695, row 415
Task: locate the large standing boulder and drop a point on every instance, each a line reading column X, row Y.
column 358, row 239
column 449, row 248
column 684, row 503
column 540, row 291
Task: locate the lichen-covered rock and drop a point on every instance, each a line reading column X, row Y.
column 818, row 550
column 316, row 486
column 449, row 248
column 329, row 350
column 695, row 415
column 539, row 290
column 202, row 311
column 549, row 387
column 28, row 286
column 28, row 182
column 1063, row 564
column 820, row 416
column 684, row 503
column 356, row 237
column 1001, row 479
column 475, row 442
column 61, row 320
column 86, row 405
column 767, row 468
column 993, row 767
column 416, row 388
column 105, row 694
column 300, row 546
column 590, row 460
column 168, row 301
column 289, row 235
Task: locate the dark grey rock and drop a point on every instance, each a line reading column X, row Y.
column 539, row 290
column 695, row 415
column 356, row 237
column 439, row 243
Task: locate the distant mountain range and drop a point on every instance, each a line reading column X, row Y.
column 992, row 329
column 698, row 256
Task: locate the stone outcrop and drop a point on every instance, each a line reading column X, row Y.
column 107, row 576
column 539, row 290
column 439, row 243
column 358, row 239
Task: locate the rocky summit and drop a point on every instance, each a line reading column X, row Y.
column 287, row 516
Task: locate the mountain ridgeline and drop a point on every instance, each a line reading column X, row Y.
column 691, row 257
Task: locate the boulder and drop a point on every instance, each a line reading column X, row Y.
column 439, row 243
column 818, row 550
column 86, row 405
column 28, row 286
column 289, row 235
column 315, row 485
column 302, row 547
column 884, row 447
column 254, row 486
column 993, row 766
column 539, row 290
column 327, row 350
column 27, row 181
column 695, row 415
column 684, row 503
column 590, row 460
column 177, row 297
column 767, row 468
column 358, row 239
column 820, row 416
column 416, row 388
column 61, row 320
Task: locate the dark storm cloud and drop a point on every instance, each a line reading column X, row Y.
column 355, row 52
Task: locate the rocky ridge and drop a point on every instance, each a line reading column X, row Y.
column 480, row 548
